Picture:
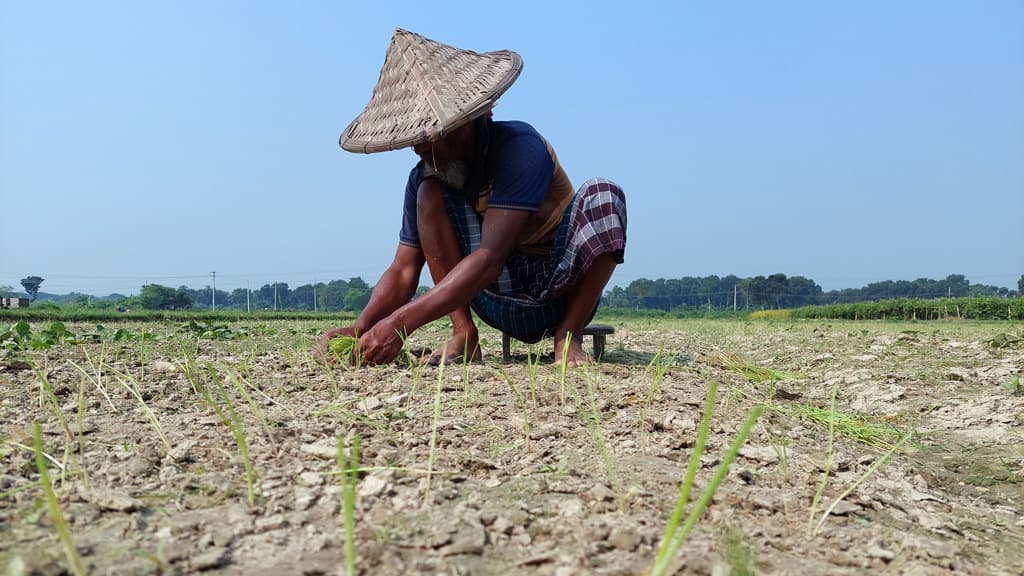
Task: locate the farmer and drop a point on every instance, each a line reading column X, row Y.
column 488, row 208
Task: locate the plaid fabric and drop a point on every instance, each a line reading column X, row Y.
column 529, row 298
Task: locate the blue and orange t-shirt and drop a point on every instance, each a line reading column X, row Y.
column 516, row 169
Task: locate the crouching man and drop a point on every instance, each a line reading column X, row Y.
column 487, row 208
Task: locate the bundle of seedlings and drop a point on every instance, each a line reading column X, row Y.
column 733, row 363
column 342, row 348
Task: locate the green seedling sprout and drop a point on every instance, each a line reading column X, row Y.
column 564, row 364
column 532, row 362
column 47, row 396
column 520, row 399
column 237, row 380
column 433, row 426
column 867, row 473
column 828, row 465
column 97, row 379
column 80, row 424
column 53, row 504
column 348, row 473
column 737, row 553
column 132, row 386
column 596, row 429
column 657, row 367
column 691, row 470
column 233, row 422
column 675, row 535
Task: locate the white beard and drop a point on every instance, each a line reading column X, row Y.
column 454, row 174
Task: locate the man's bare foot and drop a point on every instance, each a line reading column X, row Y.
column 574, row 356
column 457, row 348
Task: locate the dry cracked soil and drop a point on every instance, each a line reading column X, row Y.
column 882, row 448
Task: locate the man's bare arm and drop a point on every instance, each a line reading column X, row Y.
column 473, row 273
column 383, row 342
column 395, row 288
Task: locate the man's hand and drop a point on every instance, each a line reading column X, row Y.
column 381, row 344
column 322, row 353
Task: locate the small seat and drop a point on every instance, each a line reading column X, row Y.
column 598, row 332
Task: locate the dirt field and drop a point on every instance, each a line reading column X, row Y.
column 532, row 473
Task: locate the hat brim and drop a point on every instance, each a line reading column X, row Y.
column 427, row 90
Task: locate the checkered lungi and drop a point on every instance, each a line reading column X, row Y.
column 530, row 296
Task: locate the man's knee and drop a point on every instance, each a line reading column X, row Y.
column 599, row 186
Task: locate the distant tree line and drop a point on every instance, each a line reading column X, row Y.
column 350, row 295
column 726, row 292
column 780, row 291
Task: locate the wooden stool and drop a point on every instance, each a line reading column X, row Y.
column 597, row 331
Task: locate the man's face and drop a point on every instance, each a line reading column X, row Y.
column 449, row 157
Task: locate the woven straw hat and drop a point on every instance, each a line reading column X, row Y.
column 426, row 90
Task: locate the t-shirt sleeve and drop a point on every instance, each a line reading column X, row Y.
column 522, row 174
column 410, row 234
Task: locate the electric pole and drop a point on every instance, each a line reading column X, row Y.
column 213, row 291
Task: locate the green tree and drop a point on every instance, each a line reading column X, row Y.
column 1020, row 285
column 356, row 299
column 157, row 297
column 31, row 285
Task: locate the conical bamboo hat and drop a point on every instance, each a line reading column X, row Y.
column 426, row 90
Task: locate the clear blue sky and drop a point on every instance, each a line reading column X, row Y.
column 848, row 142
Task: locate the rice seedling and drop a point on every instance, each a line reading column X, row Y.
column 1015, row 385
column 532, row 363
column 592, row 418
column 345, row 350
column 348, row 473
column 53, row 504
column 127, row 380
column 80, row 425
column 563, row 366
column 675, row 535
column 520, row 400
column 229, row 417
column 97, row 368
column 691, row 470
column 433, row 427
column 48, row 397
column 734, row 363
column 378, row 424
column 828, row 464
column 657, row 368
column 465, row 368
column 863, row 429
column 239, row 384
column 860, row 480
column 737, row 553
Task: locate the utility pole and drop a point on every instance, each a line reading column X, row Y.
column 314, row 295
column 733, row 297
column 213, row 291
column 275, row 296
column 248, row 306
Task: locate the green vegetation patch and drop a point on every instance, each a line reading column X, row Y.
column 341, row 347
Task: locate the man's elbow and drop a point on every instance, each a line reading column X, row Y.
column 494, row 262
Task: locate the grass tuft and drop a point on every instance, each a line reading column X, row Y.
column 348, row 472
column 74, row 560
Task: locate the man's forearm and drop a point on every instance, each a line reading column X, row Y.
column 456, row 290
column 394, row 289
